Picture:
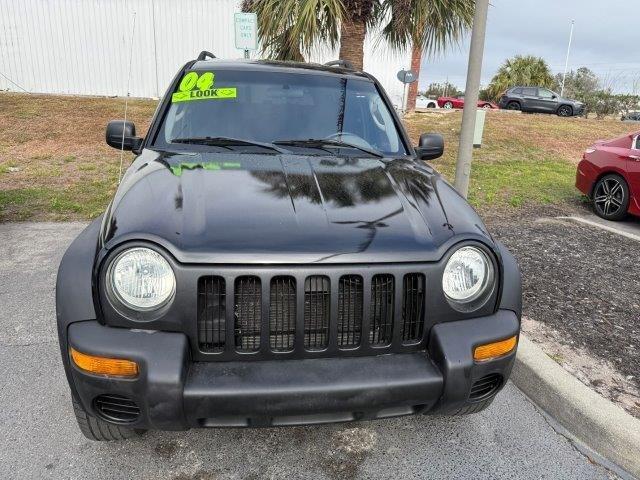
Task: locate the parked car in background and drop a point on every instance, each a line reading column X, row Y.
column 426, row 102
column 609, row 174
column 630, row 117
column 539, row 100
column 458, row 102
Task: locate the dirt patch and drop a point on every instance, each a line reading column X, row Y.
column 580, row 286
column 350, row 447
column 599, row 374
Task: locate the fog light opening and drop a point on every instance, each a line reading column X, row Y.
column 493, row 350
column 113, row 367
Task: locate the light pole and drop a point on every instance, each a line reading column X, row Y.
column 465, row 149
column 566, row 61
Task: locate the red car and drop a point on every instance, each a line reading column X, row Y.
column 458, row 102
column 609, row 173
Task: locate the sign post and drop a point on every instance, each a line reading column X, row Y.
column 246, row 32
column 406, row 77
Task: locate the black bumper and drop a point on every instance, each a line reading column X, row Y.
column 173, row 392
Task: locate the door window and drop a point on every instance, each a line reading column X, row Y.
column 546, row 94
column 531, row 92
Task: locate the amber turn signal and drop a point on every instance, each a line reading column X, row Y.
column 115, row 367
column 494, row 349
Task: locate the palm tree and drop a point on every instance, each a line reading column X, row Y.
column 289, row 29
column 428, row 26
column 520, row 70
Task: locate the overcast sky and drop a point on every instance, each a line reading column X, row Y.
column 606, row 39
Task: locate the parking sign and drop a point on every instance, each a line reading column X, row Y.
column 246, row 31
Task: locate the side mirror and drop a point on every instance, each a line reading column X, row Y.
column 430, row 146
column 554, row 97
column 122, row 135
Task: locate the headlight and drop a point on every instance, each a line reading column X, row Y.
column 467, row 275
column 142, row 279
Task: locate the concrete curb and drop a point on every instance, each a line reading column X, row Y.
column 589, row 418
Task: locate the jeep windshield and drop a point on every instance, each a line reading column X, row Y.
column 307, row 112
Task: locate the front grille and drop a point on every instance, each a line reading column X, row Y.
column 248, row 314
column 485, row 387
column 309, row 315
column 116, row 408
column 317, row 311
column 282, row 314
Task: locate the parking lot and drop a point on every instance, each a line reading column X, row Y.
column 41, row 440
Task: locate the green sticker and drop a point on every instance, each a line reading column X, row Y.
column 188, row 82
column 179, row 168
column 200, row 87
column 210, row 94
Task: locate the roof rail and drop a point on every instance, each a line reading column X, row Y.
column 204, row 54
column 340, row 63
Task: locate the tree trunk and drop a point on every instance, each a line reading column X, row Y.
column 416, row 61
column 352, row 33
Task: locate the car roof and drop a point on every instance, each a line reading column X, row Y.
column 277, row 66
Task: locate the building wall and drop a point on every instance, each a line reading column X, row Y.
column 85, row 46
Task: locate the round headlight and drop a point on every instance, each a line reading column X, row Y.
column 142, row 279
column 467, row 275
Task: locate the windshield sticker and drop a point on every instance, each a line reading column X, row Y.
column 200, row 87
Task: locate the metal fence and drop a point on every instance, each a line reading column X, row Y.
column 83, row 46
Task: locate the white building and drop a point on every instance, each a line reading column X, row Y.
column 84, row 46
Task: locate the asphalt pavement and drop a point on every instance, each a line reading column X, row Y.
column 40, row 438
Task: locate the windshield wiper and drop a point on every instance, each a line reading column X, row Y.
column 322, row 142
column 226, row 142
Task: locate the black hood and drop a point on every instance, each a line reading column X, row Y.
column 245, row 208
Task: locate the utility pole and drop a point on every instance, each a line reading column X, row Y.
column 476, row 50
column 566, row 61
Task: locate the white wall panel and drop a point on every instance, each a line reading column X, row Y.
column 83, row 46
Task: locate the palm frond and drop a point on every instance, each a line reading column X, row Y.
column 288, row 29
column 433, row 25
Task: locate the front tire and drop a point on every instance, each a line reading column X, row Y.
column 447, row 105
column 611, row 197
column 565, row 111
column 100, row 431
column 486, row 106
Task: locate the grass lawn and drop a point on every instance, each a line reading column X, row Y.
column 524, row 159
column 55, row 165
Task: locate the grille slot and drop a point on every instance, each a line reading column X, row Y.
column 485, row 387
column 317, row 311
column 413, row 307
column 248, row 313
column 211, row 314
column 382, row 302
column 282, row 314
column 116, row 408
column 350, row 299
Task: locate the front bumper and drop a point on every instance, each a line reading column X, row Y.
column 174, row 393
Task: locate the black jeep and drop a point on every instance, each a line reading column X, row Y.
column 277, row 254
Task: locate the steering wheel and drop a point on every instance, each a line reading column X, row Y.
column 351, row 138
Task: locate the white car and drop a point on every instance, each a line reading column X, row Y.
column 424, row 102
